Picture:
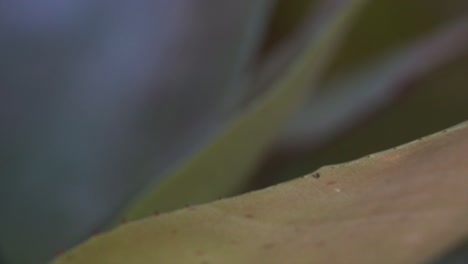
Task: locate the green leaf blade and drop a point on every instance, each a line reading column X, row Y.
column 405, row 205
column 223, row 166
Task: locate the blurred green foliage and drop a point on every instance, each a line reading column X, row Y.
column 432, row 103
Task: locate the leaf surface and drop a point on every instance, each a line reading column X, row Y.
column 405, row 205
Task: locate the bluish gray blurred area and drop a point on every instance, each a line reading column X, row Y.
column 98, row 98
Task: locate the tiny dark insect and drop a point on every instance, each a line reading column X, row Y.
column 316, row 175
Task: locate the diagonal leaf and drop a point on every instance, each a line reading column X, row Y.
column 222, row 167
column 405, row 205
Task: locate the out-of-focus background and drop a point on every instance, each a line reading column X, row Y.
column 100, row 99
column 426, row 105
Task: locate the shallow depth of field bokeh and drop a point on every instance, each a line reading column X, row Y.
column 100, row 102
